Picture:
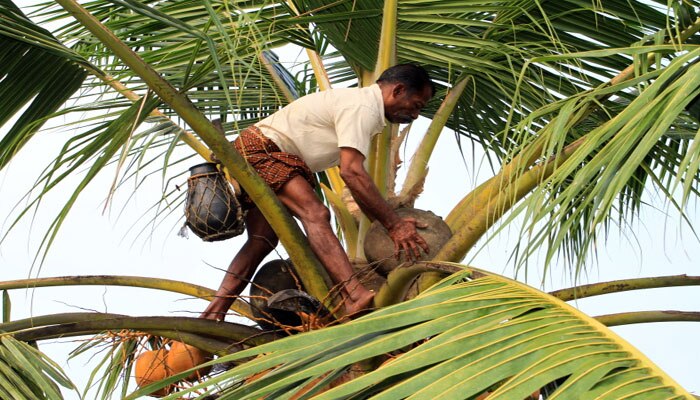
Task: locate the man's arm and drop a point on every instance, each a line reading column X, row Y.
column 401, row 230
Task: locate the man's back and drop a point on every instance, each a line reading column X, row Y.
column 315, row 126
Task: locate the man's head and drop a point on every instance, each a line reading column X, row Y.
column 406, row 89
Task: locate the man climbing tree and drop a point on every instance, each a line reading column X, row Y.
column 314, row 133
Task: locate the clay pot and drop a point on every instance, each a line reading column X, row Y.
column 151, row 367
column 379, row 247
column 182, row 357
column 212, row 211
column 271, row 278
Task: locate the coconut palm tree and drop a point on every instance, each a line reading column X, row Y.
column 581, row 107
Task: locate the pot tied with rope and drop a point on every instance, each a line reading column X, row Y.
column 212, row 210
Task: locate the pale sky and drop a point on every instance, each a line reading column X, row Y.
column 95, row 243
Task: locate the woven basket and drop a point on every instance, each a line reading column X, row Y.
column 212, row 210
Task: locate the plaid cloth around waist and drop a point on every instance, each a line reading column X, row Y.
column 273, row 165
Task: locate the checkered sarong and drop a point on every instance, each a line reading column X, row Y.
column 273, row 165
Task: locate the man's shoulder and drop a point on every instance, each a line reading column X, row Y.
column 367, row 100
column 356, row 97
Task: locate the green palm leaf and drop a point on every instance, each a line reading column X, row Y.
column 459, row 339
column 202, row 49
column 35, row 69
column 489, row 41
column 603, row 180
column 26, row 373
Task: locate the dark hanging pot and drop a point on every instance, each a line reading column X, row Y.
column 212, row 211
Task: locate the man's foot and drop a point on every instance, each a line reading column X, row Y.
column 213, row 315
column 355, row 306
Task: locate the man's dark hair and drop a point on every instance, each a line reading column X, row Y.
column 413, row 76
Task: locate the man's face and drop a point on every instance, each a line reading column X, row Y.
column 402, row 107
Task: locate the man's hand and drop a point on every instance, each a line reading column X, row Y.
column 401, row 230
column 407, row 239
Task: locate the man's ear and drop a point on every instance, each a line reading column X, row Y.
column 398, row 89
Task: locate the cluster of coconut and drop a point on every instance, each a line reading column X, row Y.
column 154, row 365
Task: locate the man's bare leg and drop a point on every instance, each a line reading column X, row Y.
column 301, row 200
column 261, row 241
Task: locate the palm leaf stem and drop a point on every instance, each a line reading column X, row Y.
column 79, row 324
column 200, row 341
column 418, row 169
column 208, row 344
column 386, row 57
column 485, row 193
column 6, row 306
column 480, row 195
column 130, row 281
column 643, row 317
column 347, row 222
column 313, row 275
column 379, row 159
column 398, row 282
column 322, row 79
column 484, row 215
column 597, row 289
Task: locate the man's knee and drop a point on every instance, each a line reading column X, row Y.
column 316, row 214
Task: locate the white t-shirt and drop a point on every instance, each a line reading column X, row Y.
column 316, row 126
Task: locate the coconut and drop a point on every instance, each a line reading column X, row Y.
column 151, row 367
column 370, row 279
column 271, row 278
column 379, row 247
column 182, row 357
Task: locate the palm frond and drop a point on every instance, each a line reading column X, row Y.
column 487, row 41
column 115, row 367
column 27, row 374
column 638, row 145
column 210, row 52
column 220, row 92
column 35, row 70
column 458, row 340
